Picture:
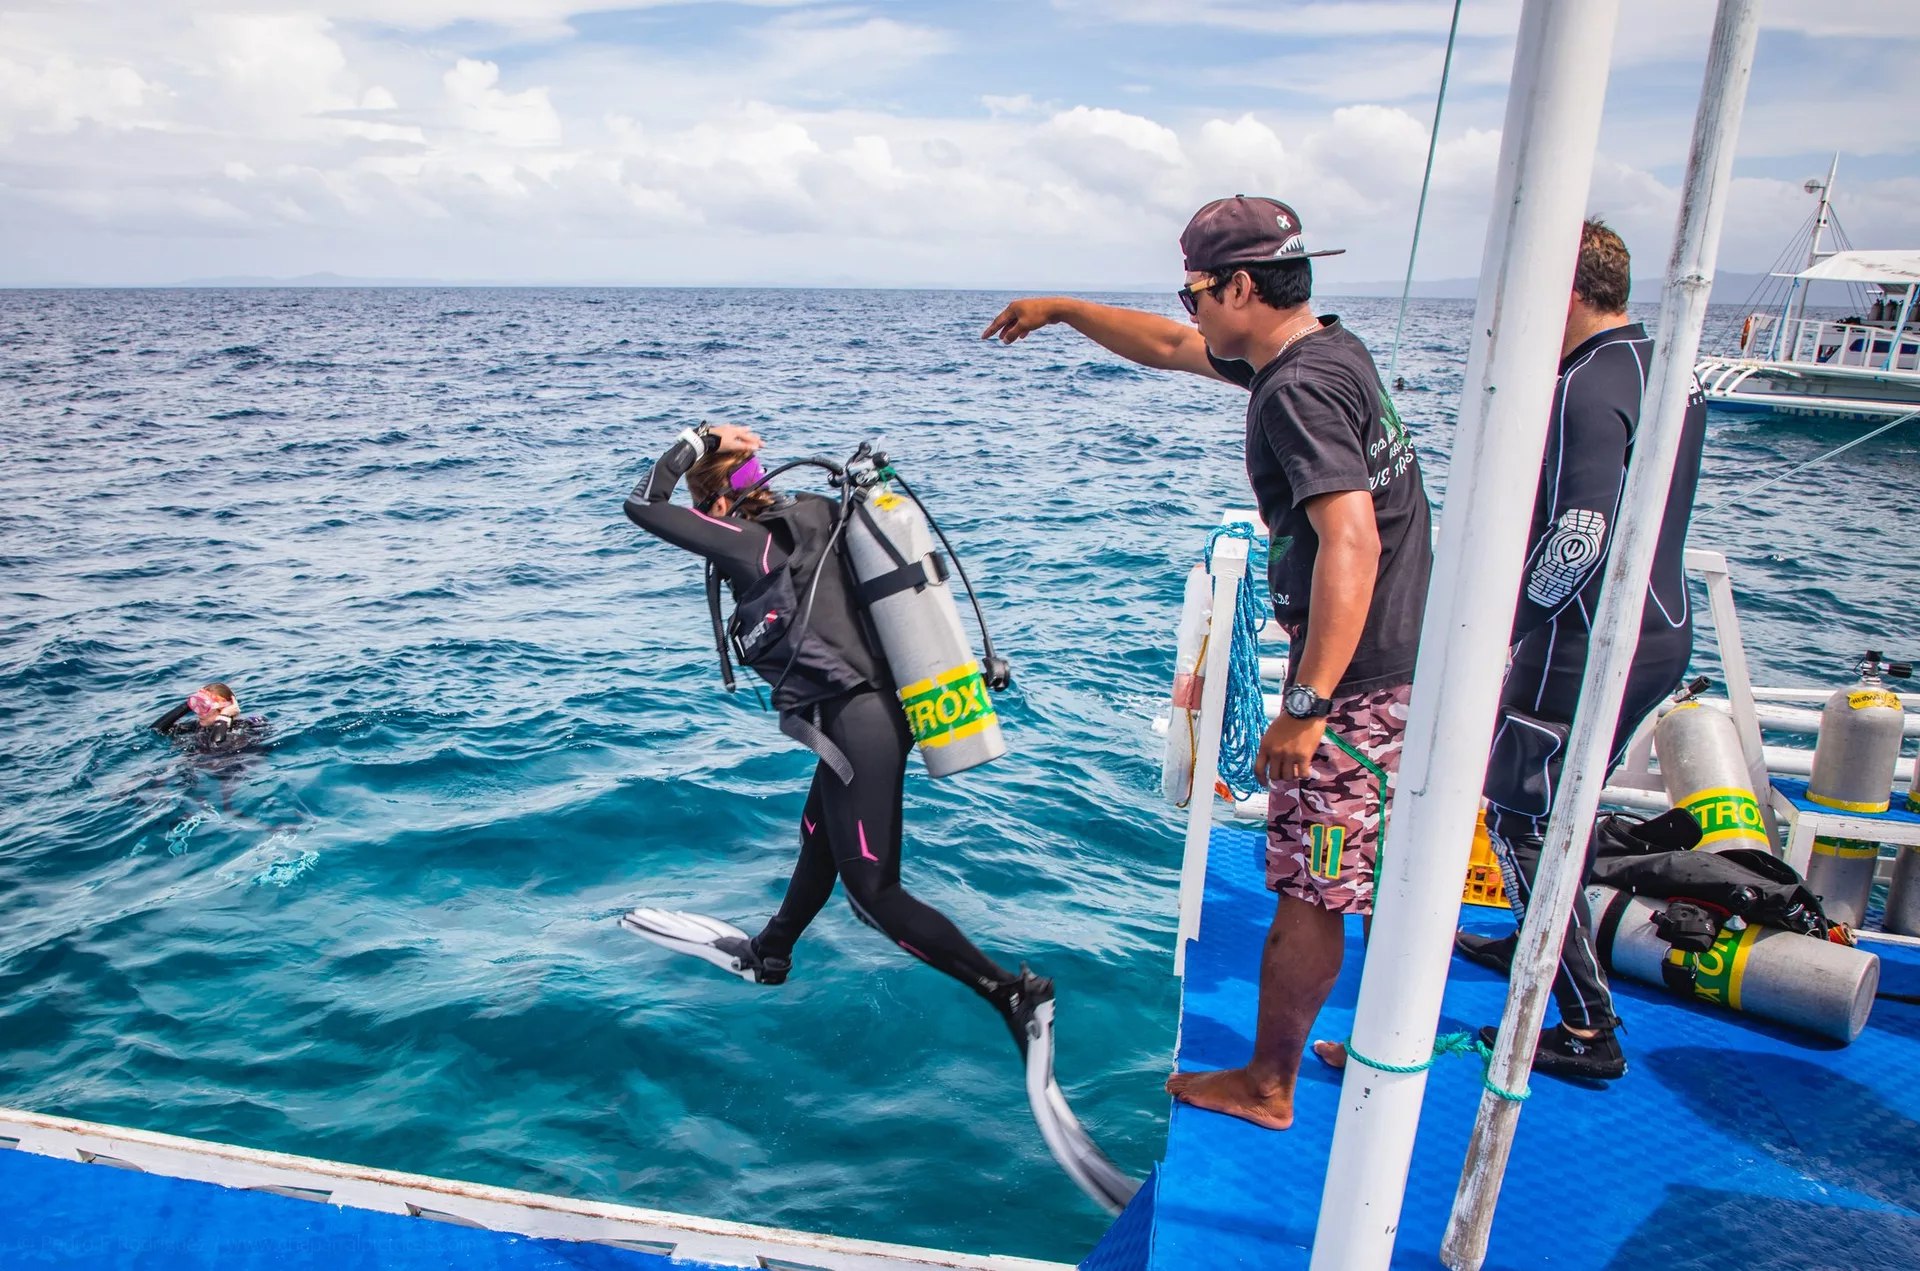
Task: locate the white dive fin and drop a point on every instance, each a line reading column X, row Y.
column 1069, row 1142
column 708, row 939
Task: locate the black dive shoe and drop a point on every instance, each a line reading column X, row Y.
column 1495, row 955
column 747, row 958
column 1020, row 1003
column 1561, row 1054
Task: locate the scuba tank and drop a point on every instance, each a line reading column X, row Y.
column 1792, row 979
column 902, row 583
column 1860, row 733
column 1903, row 894
column 1196, row 612
column 1704, row 770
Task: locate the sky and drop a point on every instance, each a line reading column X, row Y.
column 992, row 144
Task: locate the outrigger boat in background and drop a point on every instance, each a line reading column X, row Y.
column 1863, row 366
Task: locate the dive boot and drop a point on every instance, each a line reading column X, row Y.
column 1494, row 954
column 1562, row 1054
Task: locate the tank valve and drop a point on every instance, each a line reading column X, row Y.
column 997, row 673
column 1693, row 688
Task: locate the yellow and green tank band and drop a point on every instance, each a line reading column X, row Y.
column 948, row 707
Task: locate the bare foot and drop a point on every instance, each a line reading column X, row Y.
column 1332, row 1054
column 1234, row 1093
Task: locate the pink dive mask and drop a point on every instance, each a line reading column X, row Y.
column 747, row 475
column 206, row 707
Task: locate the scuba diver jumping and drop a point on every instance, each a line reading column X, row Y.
column 804, row 622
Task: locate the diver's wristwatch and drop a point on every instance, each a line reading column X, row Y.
column 1301, row 702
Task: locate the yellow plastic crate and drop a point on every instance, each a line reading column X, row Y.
column 1484, row 886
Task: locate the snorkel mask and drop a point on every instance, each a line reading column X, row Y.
column 747, row 475
column 740, row 480
column 207, row 707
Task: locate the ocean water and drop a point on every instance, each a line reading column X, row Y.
column 391, row 519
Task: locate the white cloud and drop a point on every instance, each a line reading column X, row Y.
column 779, row 149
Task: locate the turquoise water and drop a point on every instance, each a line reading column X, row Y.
column 391, row 519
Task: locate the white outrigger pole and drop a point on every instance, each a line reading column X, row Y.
column 1616, row 629
column 1547, row 147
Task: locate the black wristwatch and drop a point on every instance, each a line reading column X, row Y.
column 1301, row 702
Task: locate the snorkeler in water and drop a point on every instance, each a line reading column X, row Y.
column 217, row 723
column 799, row 625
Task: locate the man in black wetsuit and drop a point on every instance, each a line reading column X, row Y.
column 1605, row 358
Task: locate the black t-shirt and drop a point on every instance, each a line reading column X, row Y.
column 1320, row 422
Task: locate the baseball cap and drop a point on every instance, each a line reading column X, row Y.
column 1241, row 230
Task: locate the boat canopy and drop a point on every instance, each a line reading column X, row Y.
column 1887, row 268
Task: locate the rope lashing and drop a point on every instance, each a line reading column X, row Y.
column 1444, row 1045
column 1246, row 710
column 1426, row 183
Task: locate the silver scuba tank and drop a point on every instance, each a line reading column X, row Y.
column 1783, row 976
column 902, row 582
column 1705, row 771
column 1903, row 893
column 1860, row 732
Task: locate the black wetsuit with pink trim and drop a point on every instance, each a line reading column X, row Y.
column 851, row 829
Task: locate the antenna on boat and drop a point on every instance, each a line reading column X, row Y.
column 1616, row 629
column 1822, row 217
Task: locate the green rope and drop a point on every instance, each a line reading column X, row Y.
column 1443, row 1045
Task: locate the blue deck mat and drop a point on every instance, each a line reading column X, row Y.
column 62, row 1214
column 1730, row 1143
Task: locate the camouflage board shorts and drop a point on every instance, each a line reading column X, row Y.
column 1324, row 831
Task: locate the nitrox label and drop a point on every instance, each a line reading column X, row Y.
column 1727, row 813
column 948, row 707
column 1718, row 971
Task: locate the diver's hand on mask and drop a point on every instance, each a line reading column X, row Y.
column 735, row 439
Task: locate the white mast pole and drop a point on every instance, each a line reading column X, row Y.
column 1820, row 217
column 1547, row 149
column 1616, row 630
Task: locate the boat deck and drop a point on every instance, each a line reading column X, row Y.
column 1731, row 1142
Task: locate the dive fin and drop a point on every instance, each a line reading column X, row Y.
column 709, row 939
column 1069, row 1142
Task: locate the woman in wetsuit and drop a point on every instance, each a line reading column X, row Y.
column 835, row 696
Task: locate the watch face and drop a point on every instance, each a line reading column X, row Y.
column 1299, row 701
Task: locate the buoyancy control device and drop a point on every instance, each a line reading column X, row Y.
column 1860, row 732
column 883, row 539
column 1736, row 927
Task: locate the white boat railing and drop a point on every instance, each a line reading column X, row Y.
column 681, row 1237
column 1819, row 342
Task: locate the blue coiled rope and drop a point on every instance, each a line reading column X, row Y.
column 1246, row 715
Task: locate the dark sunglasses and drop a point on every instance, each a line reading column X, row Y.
column 1190, row 294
